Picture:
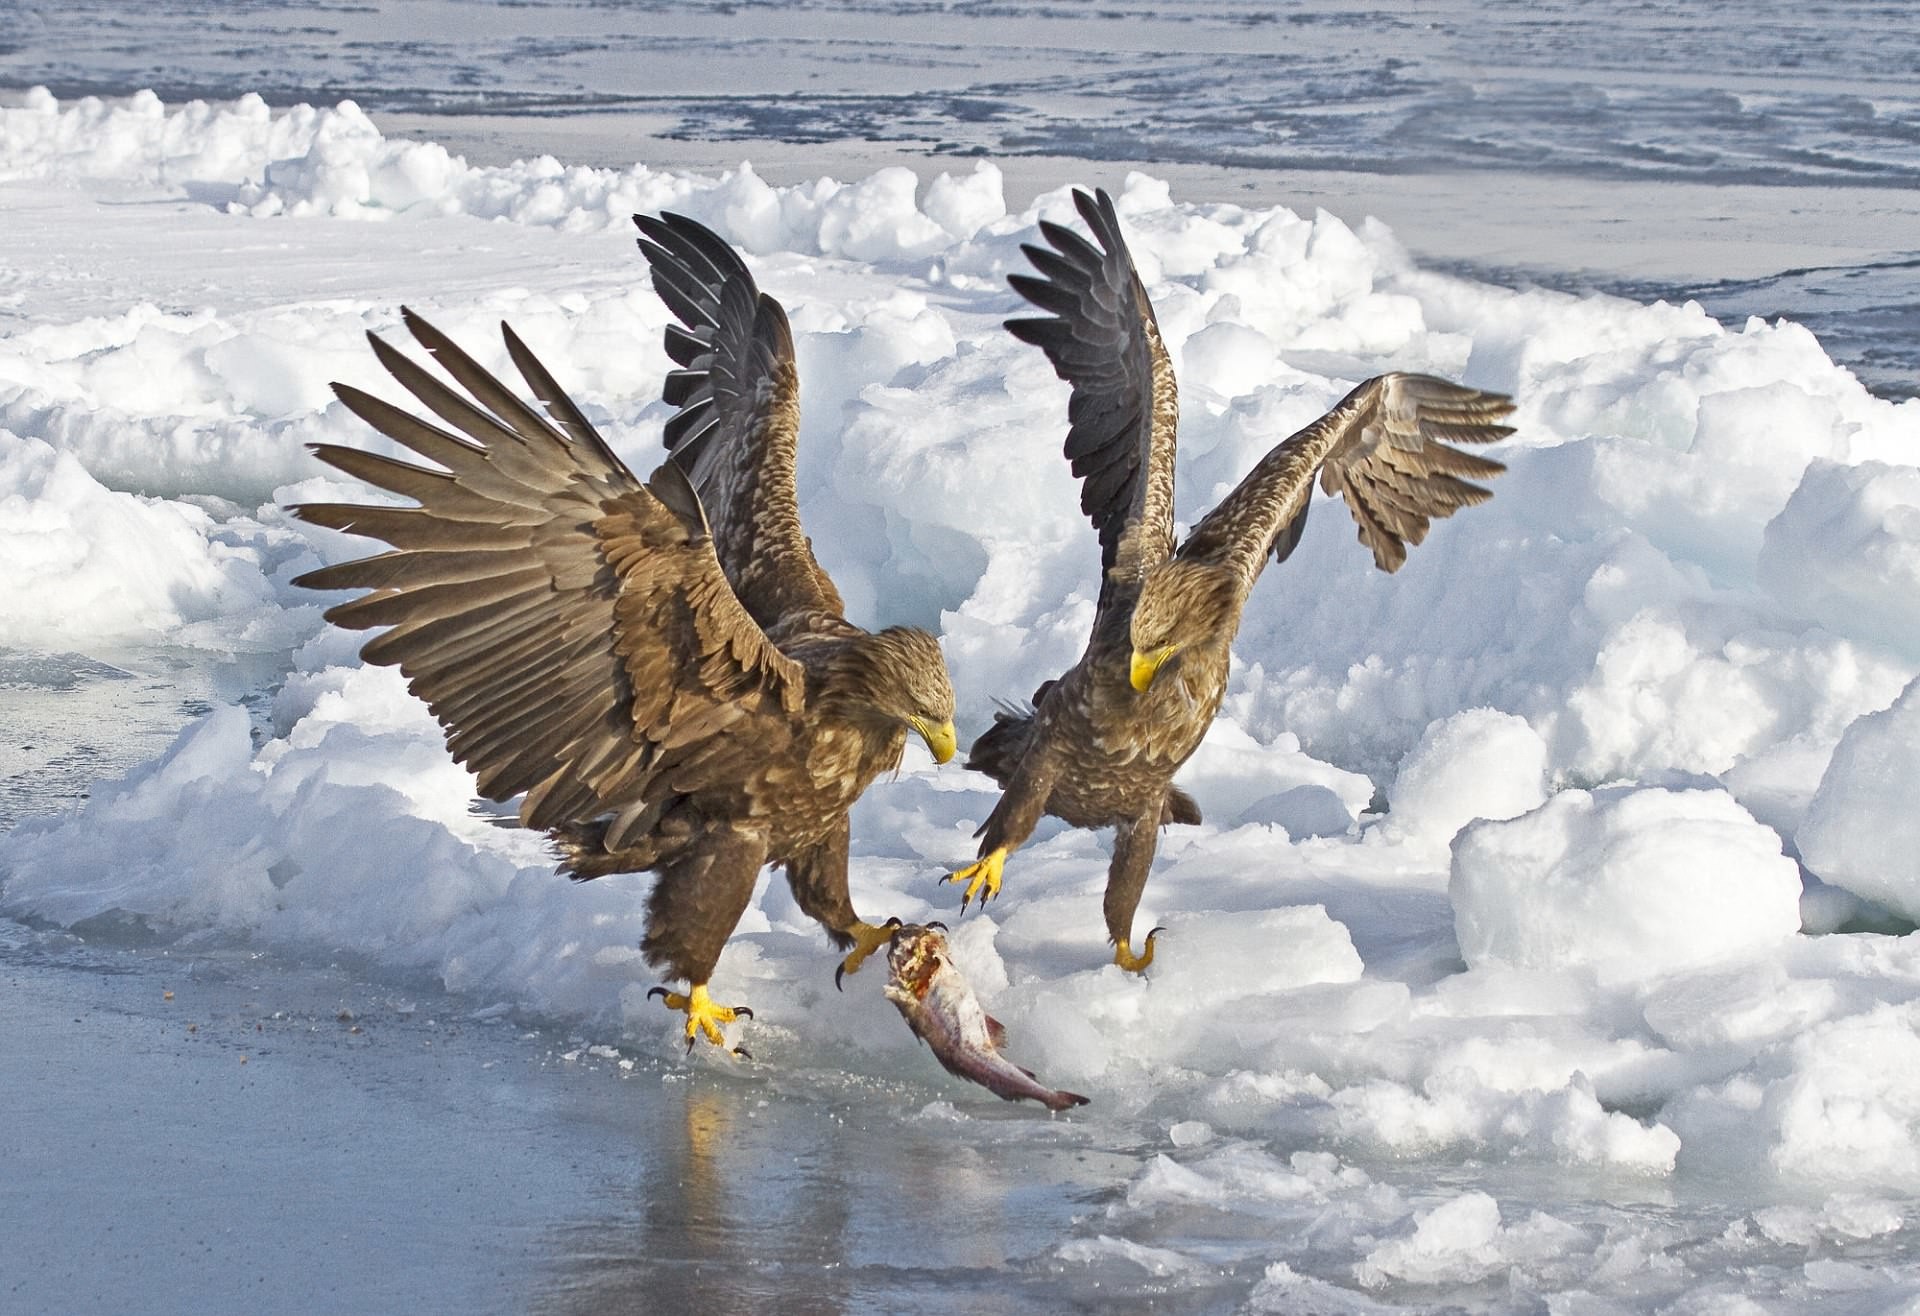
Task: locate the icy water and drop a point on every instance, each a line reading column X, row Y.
column 1773, row 94
column 1749, row 91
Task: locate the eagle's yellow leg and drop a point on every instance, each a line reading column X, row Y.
column 982, row 877
column 866, row 940
column 1123, row 954
column 704, row 1017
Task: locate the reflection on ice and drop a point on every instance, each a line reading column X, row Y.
column 758, row 1201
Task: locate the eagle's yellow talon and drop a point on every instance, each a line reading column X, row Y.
column 704, row 1017
column 866, row 940
column 1123, row 954
column 982, row 877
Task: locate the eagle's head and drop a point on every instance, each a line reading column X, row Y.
column 1183, row 605
column 900, row 676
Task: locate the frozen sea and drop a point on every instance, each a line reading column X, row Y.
column 292, row 1025
column 1525, row 109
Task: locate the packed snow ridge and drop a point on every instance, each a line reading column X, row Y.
column 1644, row 726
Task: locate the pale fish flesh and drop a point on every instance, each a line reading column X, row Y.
column 943, row 1012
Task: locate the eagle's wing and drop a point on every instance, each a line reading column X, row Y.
column 1382, row 448
column 1122, row 416
column 568, row 626
column 739, row 420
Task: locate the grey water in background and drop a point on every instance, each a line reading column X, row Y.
column 1740, row 91
column 1774, row 93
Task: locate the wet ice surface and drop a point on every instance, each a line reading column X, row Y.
column 229, row 1131
column 70, row 720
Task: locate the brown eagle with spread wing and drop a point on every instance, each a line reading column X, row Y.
column 1102, row 743
column 661, row 671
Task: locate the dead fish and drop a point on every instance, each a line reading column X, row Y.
column 943, row 1012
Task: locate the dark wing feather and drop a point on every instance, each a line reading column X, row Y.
column 1102, row 339
column 1381, row 448
column 570, row 627
column 738, row 423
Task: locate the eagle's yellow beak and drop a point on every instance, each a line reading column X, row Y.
column 941, row 740
column 1145, row 665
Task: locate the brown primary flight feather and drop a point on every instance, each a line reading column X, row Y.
column 661, row 671
column 1103, row 741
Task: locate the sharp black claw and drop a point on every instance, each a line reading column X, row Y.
column 743, row 1053
column 743, row 1011
column 938, row 924
column 690, row 1045
column 657, row 991
column 893, row 921
column 839, row 974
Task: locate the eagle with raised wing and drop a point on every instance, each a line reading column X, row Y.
column 1102, row 742
column 661, row 671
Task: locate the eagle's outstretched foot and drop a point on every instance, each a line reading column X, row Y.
column 1123, row 954
column 982, row 877
column 866, row 940
column 703, row 1016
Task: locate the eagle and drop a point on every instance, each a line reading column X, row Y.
column 1101, row 744
column 660, row 671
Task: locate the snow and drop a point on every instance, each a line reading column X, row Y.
column 1625, row 881
column 1463, row 1241
column 1861, row 831
column 1478, row 763
column 87, row 564
column 1846, row 550
column 1502, row 868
